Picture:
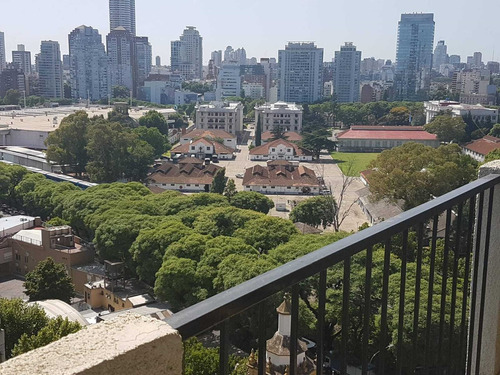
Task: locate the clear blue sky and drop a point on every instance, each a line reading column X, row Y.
column 261, row 26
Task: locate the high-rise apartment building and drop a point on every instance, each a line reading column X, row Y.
column 143, row 58
column 347, row 72
column 22, row 59
column 2, row 51
column 216, row 56
column 228, row 81
column 122, row 13
column 300, row 72
column 158, row 61
column 187, row 54
column 477, row 60
column 50, row 70
column 414, row 55
column 121, row 55
column 440, row 55
column 88, row 65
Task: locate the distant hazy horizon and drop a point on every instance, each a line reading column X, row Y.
column 261, row 27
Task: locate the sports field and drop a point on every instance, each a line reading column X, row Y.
column 351, row 163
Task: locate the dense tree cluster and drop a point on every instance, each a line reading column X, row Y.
column 415, row 173
column 107, row 150
column 447, row 128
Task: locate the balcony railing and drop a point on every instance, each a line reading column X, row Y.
column 433, row 327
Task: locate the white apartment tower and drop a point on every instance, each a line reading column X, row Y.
column 347, row 73
column 187, row 54
column 121, row 54
column 88, row 65
column 300, row 73
column 22, row 59
column 50, row 70
column 122, row 13
column 2, row 51
column 228, row 81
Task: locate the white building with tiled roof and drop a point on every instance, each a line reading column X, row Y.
column 228, row 139
column 204, row 148
column 280, row 149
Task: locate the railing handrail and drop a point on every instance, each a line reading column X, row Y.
column 214, row 310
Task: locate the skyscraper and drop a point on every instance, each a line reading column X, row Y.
column 347, row 69
column 158, row 61
column 300, row 72
column 22, row 59
column 2, row 51
column 187, row 54
column 50, row 70
column 440, row 55
column 414, row 55
column 143, row 58
column 121, row 54
column 88, row 65
column 122, row 13
column 216, row 56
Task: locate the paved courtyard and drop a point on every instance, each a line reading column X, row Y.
column 325, row 167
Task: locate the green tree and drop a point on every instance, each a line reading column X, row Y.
column 230, row 189
column 278, row 131
column 492, row 155
column 318, row 140
column 155, row 138
column 49, row 280
column 398, row 116
column 222, row 221
column 18, row 318
column 177, row 283
column 199, row 360
column 55, row 329
column 67, row 91
column 315, row 211
column 415, row 173
column 447, row 128
column 140, row 156
column 12, row 97
column 154, row 119
column 252, row 200
column 495, row 131
column 66, row 145
column 258, row 132
column 219, row 182
column 121, row 92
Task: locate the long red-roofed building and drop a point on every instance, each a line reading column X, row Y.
column 479, row 148
column 375, row 138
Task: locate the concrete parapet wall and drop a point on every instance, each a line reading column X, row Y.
column 130, row 344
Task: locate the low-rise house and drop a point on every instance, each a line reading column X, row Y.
column 280, row 149
column 479, row 148
column 204, row 148
column 289, row 136
column 376, row 211
column 227, row 139
column 189, row 174
column 375, row 138
column 281, row 177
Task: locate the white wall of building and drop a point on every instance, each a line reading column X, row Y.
column 268, row 189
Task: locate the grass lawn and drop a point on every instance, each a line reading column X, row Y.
column 360, row 161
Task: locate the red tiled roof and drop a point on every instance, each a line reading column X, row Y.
column 264, row 149
column 280, row 175
column 388, row 132
column 189, row 173
column 210, row 133
column 366, row 174
column 218, row 147
column 484, row 145
column 289, row 136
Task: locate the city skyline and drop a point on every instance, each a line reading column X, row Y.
column 374, row 36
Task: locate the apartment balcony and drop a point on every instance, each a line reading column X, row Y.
column 448, row 257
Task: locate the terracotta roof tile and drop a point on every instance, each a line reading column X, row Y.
column 484, row 145
column 210, row 133
column 280, row 175
column 289, row 136
column 218, row 147
column 187, row 173
column 388, row 132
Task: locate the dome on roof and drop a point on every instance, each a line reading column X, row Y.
column 54, row 308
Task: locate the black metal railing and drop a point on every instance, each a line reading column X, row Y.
column 422, row 328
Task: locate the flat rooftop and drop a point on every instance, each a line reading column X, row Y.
column 9, row 222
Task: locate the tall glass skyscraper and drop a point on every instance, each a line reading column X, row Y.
column 50, row 70
column 414, row 55
column 347, row 73
column 122, row 13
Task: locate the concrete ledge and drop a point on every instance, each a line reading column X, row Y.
column 130, row 344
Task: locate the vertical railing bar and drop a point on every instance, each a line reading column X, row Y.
column 346, row 286
column 468, row 251
column 444, row 280
column 475, row 276
column 454, row 283
column 485, row 277
column 294, row 331
column 416, row 312
column 262, row 340
column 383, row 314
column 321, row 320
column 402, row 294
column 224, row 348
column 367, row 310
column 430, row 293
